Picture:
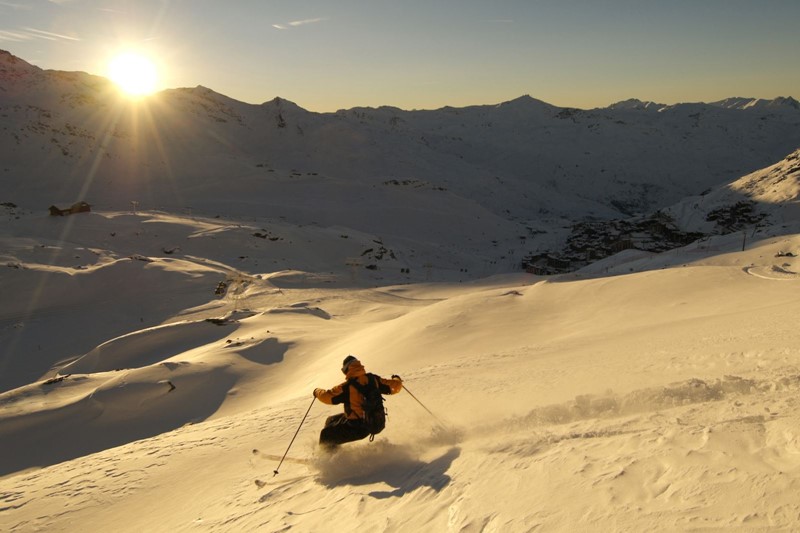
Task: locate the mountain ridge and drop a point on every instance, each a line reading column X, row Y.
column 516, row 168
column 20, row 64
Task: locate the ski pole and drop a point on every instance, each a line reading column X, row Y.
column 444, row 426
column 295, row 436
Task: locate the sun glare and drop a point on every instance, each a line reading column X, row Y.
column 133, row 73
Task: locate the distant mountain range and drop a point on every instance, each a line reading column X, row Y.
column 728, row 103
column 517, row 165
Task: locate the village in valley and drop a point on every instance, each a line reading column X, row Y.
column 590, row 241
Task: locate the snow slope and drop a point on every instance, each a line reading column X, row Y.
column 774, row 191
column 659, row 400
column 655, row 393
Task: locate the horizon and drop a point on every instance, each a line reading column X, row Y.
column 326, row 58
column 519, row 97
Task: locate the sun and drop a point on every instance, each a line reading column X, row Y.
column 134, row 73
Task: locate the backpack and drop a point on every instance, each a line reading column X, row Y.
column 372, row 404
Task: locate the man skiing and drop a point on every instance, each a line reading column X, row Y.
column 354, row 424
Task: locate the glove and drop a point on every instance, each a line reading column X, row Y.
column 398, row 378
column 317, row 392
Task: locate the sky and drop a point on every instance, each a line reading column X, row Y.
column 327, row 55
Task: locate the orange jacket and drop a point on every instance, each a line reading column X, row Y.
column 350, row 397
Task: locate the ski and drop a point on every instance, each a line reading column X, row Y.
column 271, row 457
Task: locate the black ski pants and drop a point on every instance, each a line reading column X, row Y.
column 339, row 429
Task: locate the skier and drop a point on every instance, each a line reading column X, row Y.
column 354, row 424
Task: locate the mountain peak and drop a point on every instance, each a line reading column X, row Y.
column 786, row 101
column 10, row 61
column 637, row 105
column 7, row 56
column 281, row 103
column 524, row 101
column 738, row 102
column 14, row 71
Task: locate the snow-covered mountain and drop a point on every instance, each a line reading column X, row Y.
column 767, row 197
column 158, row 353
column 637, row 105
column 520, row 160
column 776, row 104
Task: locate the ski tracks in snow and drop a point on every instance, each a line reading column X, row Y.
column 774, row 273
